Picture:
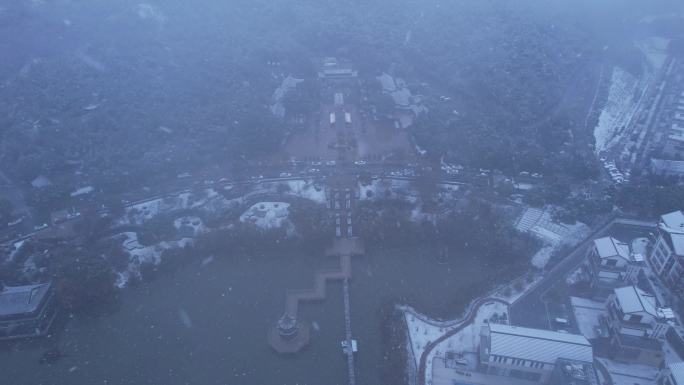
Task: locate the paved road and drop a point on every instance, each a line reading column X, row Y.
column 530, row 310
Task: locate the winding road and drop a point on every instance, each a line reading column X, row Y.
column 466, row 321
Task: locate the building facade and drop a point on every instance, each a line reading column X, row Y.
column 668, row 251
column 636, row 326
column 611, row 263
column 26, row 311
column 529, row 354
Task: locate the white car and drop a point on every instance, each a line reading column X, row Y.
column 360, row 162
column 285, row 175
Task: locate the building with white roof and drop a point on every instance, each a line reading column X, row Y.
column 672, row 374
column 529, row 354
column 26, row 311
column 636, row 324
column 668, row 251
column 333, row 69
column 612, row 264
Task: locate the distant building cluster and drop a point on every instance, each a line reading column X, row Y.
column 671, row 160
column 331, row 68
column 626, row 315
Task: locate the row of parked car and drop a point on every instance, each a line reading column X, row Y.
column 615, row 174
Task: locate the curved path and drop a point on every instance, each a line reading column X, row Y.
column 466, row 321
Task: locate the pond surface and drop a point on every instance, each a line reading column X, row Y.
column 206, row 324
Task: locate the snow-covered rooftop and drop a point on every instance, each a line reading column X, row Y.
column 677, row 371
column 610, row 247
column 16, row 300
column 674, row 221
column 537, row 345
column 634, row 300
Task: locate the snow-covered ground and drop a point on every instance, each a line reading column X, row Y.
column 267, row 215
column 15, row 249
column 140, row 213
column 142, row 255
column 82, row 191
column 512, row 291
column 209, row 200
column 541, row 257
column 640, row 247
column 587, row 313
column 307, row 189
column 468, row 339
column 194, row 223
column 388, row 188
column 287, row 85
column 422, row 330
column 397, row 89
column 623, row 100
